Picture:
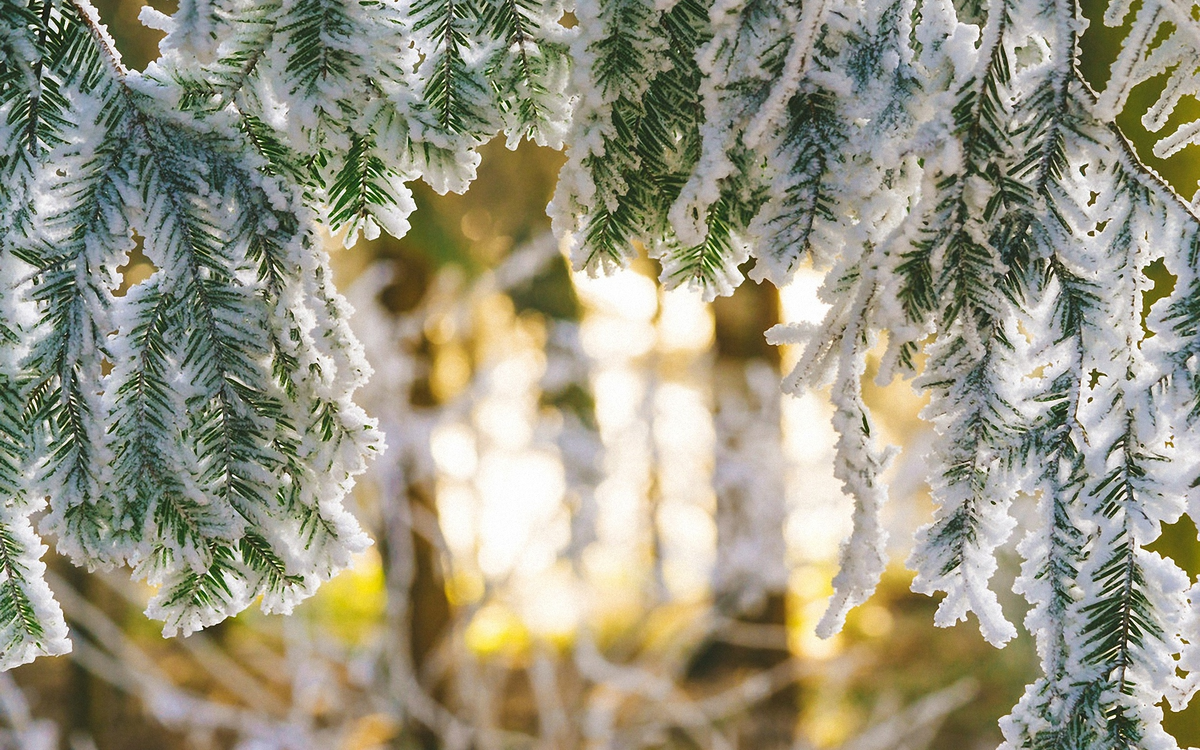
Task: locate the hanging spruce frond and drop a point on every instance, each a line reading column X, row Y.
column 527, row 68
column 970, row 200
column 214, row 455
column 31, row 112
column 617, row 54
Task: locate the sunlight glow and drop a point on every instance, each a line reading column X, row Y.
column 521, row 496
column 453, row 449
column 685, row 321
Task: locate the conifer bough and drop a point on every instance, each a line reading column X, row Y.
column 944, row 163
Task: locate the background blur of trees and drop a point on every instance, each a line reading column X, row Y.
column 598, row 525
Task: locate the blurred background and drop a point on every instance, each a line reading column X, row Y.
column 598, row 525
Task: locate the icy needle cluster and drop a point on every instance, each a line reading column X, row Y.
column 960, row 183
column 199, row 426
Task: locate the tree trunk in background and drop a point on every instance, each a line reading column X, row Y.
column 750, row 580
column 418, row 609
column 419, row 613
column 80, row 685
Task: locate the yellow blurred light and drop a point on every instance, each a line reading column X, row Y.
column 531, row 326
column 674, row 627
column 689, row 538
column 505, row 421
column 683, row 422
column 833, row 724
column 809, row 583
column 370, row 732
column 621, row 523
column 798, row 300
column 465, row 587
column 819, row 517
column 495, row 629
column 491, row 249
column 805, row 643
column 687, row 578
column 476, row 224
column 874, row 621
column 618, row 393
column 440, row 329
column 521, row 497
column 354, row 601
column 807, row 430
column 615, row 338
column 451, row 372
column 798, row 303
column 811, row 587
column 615, row 577
column 493, row 317
column 613, row 617
column 626, row 295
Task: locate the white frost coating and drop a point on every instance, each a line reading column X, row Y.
column 692, row 268
column 405, row 141
column 972, row 401
column 85, row 246
column 859, row 465
column 1174, row 346
column 191, row 30
column 1189, row 659
column 803, row 35
column 735, row 82
column 1184, row 136
column 1119, row 481
column 1175, row 33
column 391, row 215
column 841, row 343
column 748, row 481
column 957, row 553
column 31, row 621
column 1050, row 548
column 316, row 86
column 229, row 448
column 1157, row 115
column 529, row 67
column 1115, row 94
column 20, row 644
column 591, row 185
